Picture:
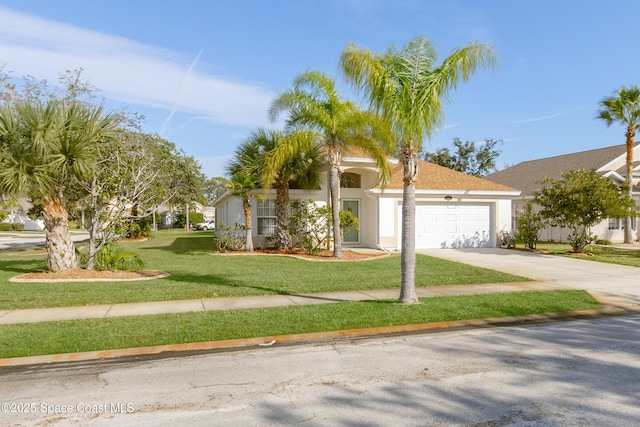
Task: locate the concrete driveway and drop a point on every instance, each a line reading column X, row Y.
column 618, row 284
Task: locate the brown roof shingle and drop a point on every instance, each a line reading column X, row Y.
column 528, row 176
column 436, row 177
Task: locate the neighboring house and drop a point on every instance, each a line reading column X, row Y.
column 18, row 215
column 609, row 162
column 208, row 212
column 452, row 209
column 168, row 213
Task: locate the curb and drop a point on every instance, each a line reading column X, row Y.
column 187, row 349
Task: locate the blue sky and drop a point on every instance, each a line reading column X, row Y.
column 204, row 72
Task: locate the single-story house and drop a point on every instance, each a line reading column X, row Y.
column 452, row 209
column 609, row 162
column 17, row 214
column 168, row 213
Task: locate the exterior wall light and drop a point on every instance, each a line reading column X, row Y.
column 448, row 198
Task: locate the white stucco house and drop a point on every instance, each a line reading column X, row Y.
column 609, row 162
column 17, row 214
column 452, row 209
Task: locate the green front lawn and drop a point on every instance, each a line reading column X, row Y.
column 197, row 271
column 609, row 254
column 125, row 332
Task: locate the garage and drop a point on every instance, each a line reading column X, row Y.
column 452, row 225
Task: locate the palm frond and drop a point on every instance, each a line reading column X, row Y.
column 622, row 107
column 406, row 87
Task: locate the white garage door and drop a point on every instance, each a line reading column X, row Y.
column 452, row 226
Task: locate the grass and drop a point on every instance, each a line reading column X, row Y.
column 198, row 272
column 98, row 334
column 608, row 254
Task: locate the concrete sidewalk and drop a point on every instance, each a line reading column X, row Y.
column 229, row 303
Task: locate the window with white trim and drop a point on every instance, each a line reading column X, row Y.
column 266, row 215
column 618, row 223
column 615, row 224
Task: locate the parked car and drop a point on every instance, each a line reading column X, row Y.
column 209, row 224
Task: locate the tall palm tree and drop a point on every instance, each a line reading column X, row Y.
column 45, row 148
column 314, row 103
column 407, row 87
column 624, row 108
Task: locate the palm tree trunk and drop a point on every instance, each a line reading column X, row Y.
column 282, row 237
column 631, row 136
column 334, row 188
column 246, row 206
column 408, row 255
column 93, row 238
column 61, row 254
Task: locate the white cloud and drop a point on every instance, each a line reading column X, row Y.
column 550, row 116
column 127, row 71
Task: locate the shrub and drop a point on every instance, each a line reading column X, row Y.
column 529, row 225
column 603, row 242
column 348, row 219
column 140, row 227
column 229, row 237
column 111, row 257
column 579, row 241
column 7, row 226
column 73, row 225
column 3, row 215
column 309, row 226
column 194, row 218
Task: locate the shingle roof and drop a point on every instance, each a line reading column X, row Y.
column 528, row 176
column 436, row 177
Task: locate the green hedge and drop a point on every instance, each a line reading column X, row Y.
column 5, row 226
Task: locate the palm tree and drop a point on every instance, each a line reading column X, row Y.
column 301, row 171
column 406, row 87
column 314, row 103
column 241, row 185
column 46, row 147
column 624, row 108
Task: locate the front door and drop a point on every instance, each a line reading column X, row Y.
column 350, row 234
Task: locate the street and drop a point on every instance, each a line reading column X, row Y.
column 9, row 240
column 572, row 373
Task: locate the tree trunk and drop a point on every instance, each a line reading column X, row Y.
column 334, row 187
column 282, row 237
column 631, row 136
column 246, row 206
column 61, row 254
column 187, row 224
column 93, row 238
column 408, row 255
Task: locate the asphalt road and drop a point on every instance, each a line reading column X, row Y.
column 13, row 240
column 580, row 373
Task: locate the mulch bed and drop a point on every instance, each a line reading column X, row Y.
column 325, row 255
column 79, row 275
